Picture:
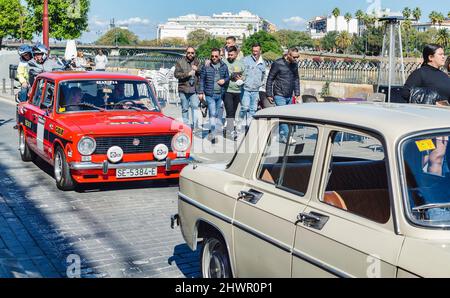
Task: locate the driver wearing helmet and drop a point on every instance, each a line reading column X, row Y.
column 26, row 54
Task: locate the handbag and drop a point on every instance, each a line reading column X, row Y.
column 424, row 96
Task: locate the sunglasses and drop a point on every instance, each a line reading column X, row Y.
column 191, row 53
column 215, row 56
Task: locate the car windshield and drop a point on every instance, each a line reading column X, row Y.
column 427, row 174
column 98, row 95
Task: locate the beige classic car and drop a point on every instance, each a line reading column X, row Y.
column 326, row 190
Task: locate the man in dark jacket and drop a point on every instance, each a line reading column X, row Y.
column 283, row 82
column 187, row 72
column 214, row 80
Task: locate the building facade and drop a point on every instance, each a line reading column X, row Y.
column 423, row 27
column 219, row 25
column 320, row 26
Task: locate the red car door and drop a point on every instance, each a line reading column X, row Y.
column 45, row 122
column 32, row 115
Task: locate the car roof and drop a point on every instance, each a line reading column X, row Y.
column 86, row 75
column 388, row 119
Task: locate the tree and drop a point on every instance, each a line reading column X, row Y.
column 13, row 20
column 407, row 12
column 68, row 18
column 197, row 37
column 417, row 13
column 250, row 28
column 172, row 42
column 360, row 16
column 328, row 42
column 348, row 17
column 118, row 36
column 291, row 38
column 440, row 18
column 434, row 17
column 336, row 12
column 267, row 41
column 443, row 38
column 343, row 41
column 204, row 50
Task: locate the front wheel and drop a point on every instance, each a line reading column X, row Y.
column 214, row 258
column 64, row 180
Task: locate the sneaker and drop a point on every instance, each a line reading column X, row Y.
column 212, row 138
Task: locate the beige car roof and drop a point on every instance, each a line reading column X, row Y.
column 392, row 120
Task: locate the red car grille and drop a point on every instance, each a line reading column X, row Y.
column 130, row 145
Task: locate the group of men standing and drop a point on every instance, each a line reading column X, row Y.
column 228, row 79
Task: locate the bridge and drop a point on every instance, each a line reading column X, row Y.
column 112, row 50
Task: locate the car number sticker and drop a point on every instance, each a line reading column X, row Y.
column 425, row 145
column 62, row 110
column 28, row 124
column 40, row 133
column 59, row 131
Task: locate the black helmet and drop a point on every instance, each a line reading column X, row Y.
column 24, row 49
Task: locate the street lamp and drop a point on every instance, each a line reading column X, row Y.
column 45, row 25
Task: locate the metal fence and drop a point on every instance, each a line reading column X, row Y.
column 332, row 71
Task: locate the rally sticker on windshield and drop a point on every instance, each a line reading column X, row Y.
column 425, row 145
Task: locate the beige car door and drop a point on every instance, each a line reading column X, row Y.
column 348, row 228
column 266, row 212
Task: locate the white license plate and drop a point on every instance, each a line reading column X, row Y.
column 136, row 173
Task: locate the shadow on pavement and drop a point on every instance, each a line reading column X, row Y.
column 187, row 261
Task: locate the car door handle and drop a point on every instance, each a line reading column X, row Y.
column 313, row 220
column 251, row 196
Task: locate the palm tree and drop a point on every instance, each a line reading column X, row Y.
column 407, row 13
column 443, row 37
column 336, row 12
column 360, row 15
column 433, row 17
column 417, row 13
column 348, row 17
column 440, row 19
column 343, row 41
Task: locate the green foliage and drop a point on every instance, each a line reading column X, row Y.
column 343, row 41
column 443, row 38
column 268, row 43
column 328, row 42
column 336, row 12
column 290, row 38
column 417, row 13
column 271, row 56
column 204, row 50
column 325, row 89
column 197, row 37
column 121, row 37
column 172, row 42
column 68, row 18
column 407, row 12
column 14, row 20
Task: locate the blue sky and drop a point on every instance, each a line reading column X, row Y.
column 144, row 15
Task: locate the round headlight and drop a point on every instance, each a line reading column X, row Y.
column 87, row 146
column 181, row 143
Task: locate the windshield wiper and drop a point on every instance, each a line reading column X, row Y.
column 431, row 206
column 85, row 104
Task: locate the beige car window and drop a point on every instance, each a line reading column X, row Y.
column 357, row 179
column 289, row 156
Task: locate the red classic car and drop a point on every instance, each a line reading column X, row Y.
column 100, row 127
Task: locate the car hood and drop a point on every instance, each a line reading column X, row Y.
column 116, row 123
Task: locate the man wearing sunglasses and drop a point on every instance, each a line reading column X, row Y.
column 283, row 82
column 187, row 72
column 214, row 80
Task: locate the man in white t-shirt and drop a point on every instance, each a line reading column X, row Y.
column 101, row 61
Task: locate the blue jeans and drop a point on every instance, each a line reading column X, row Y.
column 189, row 101
column 279, row 102
column 23, row 93
column 249, row 105
column 214, row 108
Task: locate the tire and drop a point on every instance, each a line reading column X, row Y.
column 64, row 180
column 214, row 259
column 25, row 152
